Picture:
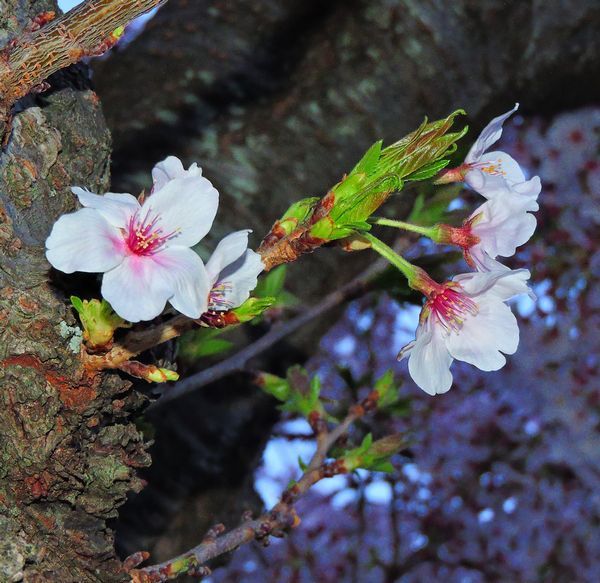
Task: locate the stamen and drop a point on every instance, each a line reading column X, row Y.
column 217, row 300
column 451, row 307
column 144, row 236
column 491, row 168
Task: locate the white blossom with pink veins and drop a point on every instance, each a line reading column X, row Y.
column 233, row 270
column 465, row 319
column 142, row 249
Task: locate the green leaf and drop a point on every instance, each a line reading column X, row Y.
column 428, row 171
column 301, row 210
column 273, row 385
column 213, row 347
column 202, row 343
column 272, row 284
column 303, row 466
column 368, row 163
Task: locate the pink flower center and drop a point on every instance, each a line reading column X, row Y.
column 451, row 307
column 144, row 236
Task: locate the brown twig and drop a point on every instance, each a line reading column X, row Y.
column 358, row 286
column 276, row 522
column 87, row 30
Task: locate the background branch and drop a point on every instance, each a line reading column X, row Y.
column 275, row 522
column 358, row 286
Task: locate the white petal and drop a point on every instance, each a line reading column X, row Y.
column 489, row 136
column 169, row 169
column 190, row 280
column 186, row 207
column 483, row 262
column 138, row 289
column 429, row 361
column 239, row 279
column 84, row 241
column 502, row 227
column 527, row 193
column 115, row 207
column 503, row 284
column 506, row 165
column 229, row 249
column 484, row 337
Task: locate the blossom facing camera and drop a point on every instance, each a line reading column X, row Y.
column 465, row 319
column 233, row 272
column 142, row 249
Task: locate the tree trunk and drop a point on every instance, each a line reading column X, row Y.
column 67, row 450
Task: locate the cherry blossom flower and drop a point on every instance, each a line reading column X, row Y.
column 496, row 228
column 464, row 319
column 171, row 168
column 233, row 270
column 142, row 249
column 492, row 173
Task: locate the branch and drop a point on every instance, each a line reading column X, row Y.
column 88, row 30
column 275, row 522
column 358, row 286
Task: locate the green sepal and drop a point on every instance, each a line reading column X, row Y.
column 99, row 321
column 252, row 308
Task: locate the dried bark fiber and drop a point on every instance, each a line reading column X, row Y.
column 67, row 451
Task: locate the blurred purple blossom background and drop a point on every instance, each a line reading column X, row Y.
column 501, row 481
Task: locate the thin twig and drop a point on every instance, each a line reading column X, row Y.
column 237, row 362
column 90, row 29
column 281, row 518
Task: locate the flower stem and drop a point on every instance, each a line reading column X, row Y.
column 409, row 270
column 426, row 231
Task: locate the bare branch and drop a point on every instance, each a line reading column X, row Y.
column 276, row 522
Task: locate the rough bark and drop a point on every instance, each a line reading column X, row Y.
column 67, row 451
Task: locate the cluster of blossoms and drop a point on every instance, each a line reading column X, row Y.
column 466, row 319
column 143, row 247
